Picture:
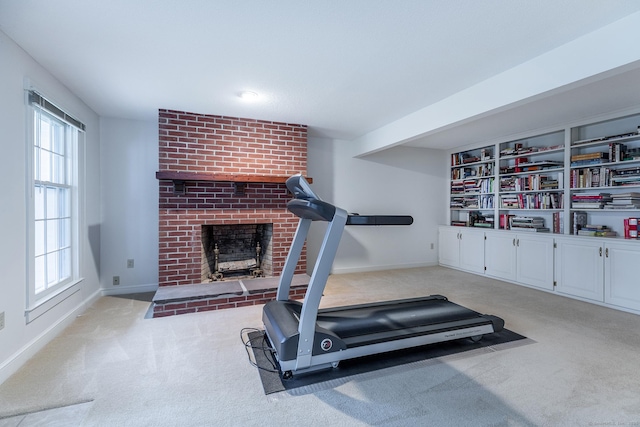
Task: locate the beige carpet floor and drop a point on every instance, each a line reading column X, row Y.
column 580, row 366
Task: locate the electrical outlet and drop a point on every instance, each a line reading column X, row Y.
column 2, row 320
column 116, row 280
column 130, row 263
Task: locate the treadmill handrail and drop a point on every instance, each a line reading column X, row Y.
column 309, row 207
column 315, row 289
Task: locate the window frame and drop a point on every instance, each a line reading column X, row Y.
column 38, row 303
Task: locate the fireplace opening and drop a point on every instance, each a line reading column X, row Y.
column 234, row 251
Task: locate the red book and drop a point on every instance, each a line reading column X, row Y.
column 633, row 228
column 627, row 235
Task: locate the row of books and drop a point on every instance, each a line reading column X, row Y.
column 557, row 222
column 591, row 177
column 531, row 183
column 603, row 176
column 479, row 220
column 579, row 224
column 531, row 201
column 624, row 201
column 608, row 138
column 626, row 176
column 596, row 231
column 590, row 200
column 630, row 200
column 616, row 153
column 472, row 202
column 460, row 186
column 472, row 171
column 465, row 158
column 526, row 223
column 519, row 149
column 522, row 165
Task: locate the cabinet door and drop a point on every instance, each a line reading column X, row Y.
column 472, row 250
column 449, row 246
column 535, row 261
column 580, row 268
column 621, row 283
column 500, row 255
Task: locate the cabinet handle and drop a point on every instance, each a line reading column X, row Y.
column 600, row 251
column 514, row 242
column 460, row 236
column 518, row 242
column 606, row 252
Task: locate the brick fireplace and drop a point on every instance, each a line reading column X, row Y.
column 216, row 170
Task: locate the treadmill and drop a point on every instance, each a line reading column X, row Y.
column 306, row 338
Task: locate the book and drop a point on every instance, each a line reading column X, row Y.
column 605, row 138
column 597, row 233
column 633, row 228
column 578, row 220
column 589, row 156
column 586, row 205
column 532, row 229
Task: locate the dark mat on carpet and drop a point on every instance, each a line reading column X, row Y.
column 272, row 382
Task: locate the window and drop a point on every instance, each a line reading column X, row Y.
column 54, row 206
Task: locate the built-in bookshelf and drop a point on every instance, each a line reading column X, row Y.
column 472, row 184
column 591, row 169
column 531, row 180
column 604, row 172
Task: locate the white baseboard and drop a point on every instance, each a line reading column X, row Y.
column 123, row 290
column 381, row 267
column 19, row 358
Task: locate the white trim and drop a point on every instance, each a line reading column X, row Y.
column 124, row 290
column 43, row 305
column 382, row 267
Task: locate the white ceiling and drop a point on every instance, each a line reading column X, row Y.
column 343, row 67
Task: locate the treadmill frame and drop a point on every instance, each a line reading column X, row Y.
column 305, row 360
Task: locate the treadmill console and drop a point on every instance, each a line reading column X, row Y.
column 300, row 188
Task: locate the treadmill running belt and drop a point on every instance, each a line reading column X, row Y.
column 371, row 319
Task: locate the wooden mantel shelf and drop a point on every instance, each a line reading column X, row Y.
column 178, row 178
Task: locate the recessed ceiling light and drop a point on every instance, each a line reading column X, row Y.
column 248, row 95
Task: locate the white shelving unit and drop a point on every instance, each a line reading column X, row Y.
column 610, row 165
column 531, row 179
column 472, row 183
column 551, row 176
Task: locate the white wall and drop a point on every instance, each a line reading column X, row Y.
column 129, row 161
column 398, row 181
column 19, row 341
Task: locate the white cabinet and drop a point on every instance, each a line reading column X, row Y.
column 461, row 247
column 535, row 260
column 580, row 267
column 524, row 258
column 621, row 282
column 603, row 270
column 500, row 255
column 449, row 246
